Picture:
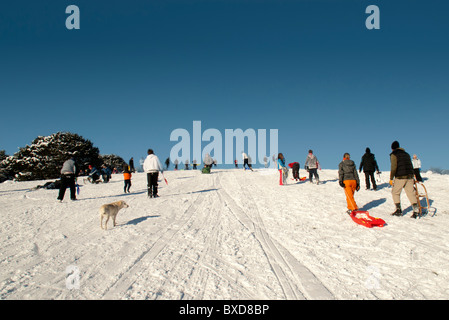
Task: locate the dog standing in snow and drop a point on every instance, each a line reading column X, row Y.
column 110, row 211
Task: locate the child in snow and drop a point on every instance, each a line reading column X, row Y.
column 311, row 165
column 417, row 168
column 295, row 170
column 349, row 180
column 127, row 178
column 246, row 161
column 94, row 175
column 106, row 173
column 176, row 164
column 283, row 170
column 208, row 162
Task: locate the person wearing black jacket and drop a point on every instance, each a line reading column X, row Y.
column 369, row 165
column 401, row 177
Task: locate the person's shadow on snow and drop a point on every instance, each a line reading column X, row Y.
column 373, row 204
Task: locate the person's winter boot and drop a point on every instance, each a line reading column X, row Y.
column 415, row 211
column 398, row 211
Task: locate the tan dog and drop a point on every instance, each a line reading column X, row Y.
column 110, row 210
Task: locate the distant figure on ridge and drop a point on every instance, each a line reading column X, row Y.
column 369, row 165
column 311, row 165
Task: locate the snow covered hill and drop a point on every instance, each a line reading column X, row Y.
column 228, row 235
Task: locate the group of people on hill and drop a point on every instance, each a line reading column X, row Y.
column 403, row 171
column 186, row 164
column 311, row 165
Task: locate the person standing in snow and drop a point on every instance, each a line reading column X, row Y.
column 131, row 165
column 246, row 161
column 127, row 178
column 349, row 181
column 417, row 168
column 68, row 176
column 167, row 163
column 369, row 165
column 401, row 177
column 176, row 164
column 152, row 166
column 311, row 165
column 283, row 170
column 236, row 164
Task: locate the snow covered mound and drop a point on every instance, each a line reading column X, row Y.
column 232, row 234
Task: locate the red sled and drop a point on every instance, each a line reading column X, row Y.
column 363, row 218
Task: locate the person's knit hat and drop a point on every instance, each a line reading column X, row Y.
column 394, row 145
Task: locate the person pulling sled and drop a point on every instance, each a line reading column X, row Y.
column 349, row 181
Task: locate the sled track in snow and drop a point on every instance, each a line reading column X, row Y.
column 296, row 280
column 185, row 255
column 122, row 284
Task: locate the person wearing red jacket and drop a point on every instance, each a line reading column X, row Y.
column 295, row 170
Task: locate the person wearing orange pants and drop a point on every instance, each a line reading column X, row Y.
column 350, row 188
column 348, row 179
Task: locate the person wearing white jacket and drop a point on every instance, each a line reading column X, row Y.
column 417, row 168
column 152, row 166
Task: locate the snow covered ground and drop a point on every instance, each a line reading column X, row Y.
column 228, row 235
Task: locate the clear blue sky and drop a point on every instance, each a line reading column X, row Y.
column 137, row 70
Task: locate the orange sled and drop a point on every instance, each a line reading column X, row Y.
column 363, row 218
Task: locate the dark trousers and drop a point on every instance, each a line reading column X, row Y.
column 370, row 175
column 417, row 175
column 67, row 180
column 127, row 185
column 295, row 171
column 152, row 183
column 313, row 173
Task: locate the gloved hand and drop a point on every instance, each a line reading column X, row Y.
column 342, row 184
column 391, row 182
